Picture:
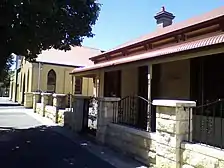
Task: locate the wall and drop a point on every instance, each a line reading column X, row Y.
column 101, row 83
column 24, row 77
column 175, row 80
column 87, row 87
column 139, row 144
column 63, row 79
column 198, row 156
column 129, row 81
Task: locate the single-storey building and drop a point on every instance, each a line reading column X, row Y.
column 50, row 73
column 178, row 61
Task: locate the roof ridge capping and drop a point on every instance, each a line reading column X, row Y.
column 213, row 14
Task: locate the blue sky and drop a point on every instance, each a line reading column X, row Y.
column 124, row 20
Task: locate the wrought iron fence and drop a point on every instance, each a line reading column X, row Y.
column 208, row 124
column 134, row 111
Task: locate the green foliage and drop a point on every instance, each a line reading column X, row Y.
column 6, row 73
column 29, row 26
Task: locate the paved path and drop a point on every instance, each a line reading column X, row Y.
column 24, row 142
column 4, row 101
column 29, row 140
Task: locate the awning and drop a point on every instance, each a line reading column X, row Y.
column 218, row 39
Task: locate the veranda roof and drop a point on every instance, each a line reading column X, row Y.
column 208, row 41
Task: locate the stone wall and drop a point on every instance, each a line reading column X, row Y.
column 139, row 144
column 60, row 119
column 39, row 108
column 50, row 112
column 199, row 156
column 28, row 100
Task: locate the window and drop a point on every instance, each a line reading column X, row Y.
column 51, row 81
column 78, row 85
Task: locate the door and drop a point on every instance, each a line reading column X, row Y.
column 112, row 84
column 142, row 92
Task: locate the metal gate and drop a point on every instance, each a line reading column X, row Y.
column 90, row 115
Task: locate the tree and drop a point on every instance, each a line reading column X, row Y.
column 29, row 26
column 6, row 73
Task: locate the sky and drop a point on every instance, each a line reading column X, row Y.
column 124, row 20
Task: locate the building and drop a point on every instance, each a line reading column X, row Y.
column 50, row 73
column 14, row 90
column 178, row 61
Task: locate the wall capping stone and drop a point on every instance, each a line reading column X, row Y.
column 145, row 134
column 58, row 95
column 173, row 103
column 36, row 93
column 46, row 94
column 204, row 149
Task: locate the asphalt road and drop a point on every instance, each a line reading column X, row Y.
column 25, row 143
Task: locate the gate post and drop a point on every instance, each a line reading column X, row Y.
column 105, row 116
column 173, row 126
column 45, row 101
column 36, row 99
column 28, row 100
column 78, row 113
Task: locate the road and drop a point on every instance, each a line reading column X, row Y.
column 25, row 142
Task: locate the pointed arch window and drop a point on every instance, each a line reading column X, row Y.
column 51, row 81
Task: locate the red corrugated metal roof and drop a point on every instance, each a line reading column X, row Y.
column 217, row 39
column 216, row 13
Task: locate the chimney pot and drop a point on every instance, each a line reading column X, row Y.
column 164, row 18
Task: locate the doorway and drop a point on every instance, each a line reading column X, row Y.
column 143, row 93
column 112, row 84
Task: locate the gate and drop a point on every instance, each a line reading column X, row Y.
column 90, row 115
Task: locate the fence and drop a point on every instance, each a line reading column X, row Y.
column 134, row 111
column 208, row 124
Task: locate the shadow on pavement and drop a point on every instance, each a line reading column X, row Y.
column 42, row 147
column 9, row 104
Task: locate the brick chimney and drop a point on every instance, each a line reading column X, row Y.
column 164, row 18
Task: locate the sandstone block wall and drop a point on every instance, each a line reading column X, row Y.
column 139, row 144
column 28, row 100
column 39, row 108
column 201, row 156
column 50, row 112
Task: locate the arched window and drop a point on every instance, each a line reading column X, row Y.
column 51, row 81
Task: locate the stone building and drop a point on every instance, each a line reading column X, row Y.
column 50, row 73
column 161, row 95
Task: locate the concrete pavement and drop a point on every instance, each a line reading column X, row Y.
column 29, row 140
column 4, row 101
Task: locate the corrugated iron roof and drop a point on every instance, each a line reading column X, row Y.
column 217, row 39
column 216, row 13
